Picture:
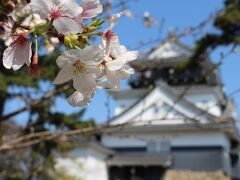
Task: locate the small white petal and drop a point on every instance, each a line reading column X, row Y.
column 115, row 47
column 8, row 57
column 16, row 67
column 112, row 78
column 41, row 7
column 84, row 83
column 64, row 75
column 123, row 49
column 130, row 55
column 62, row 61
column 114, row 20
column 71, row 8
column 76, row 99
column 16, row 55
column 91, row 8
column 104, row 85
column 125, row 73
column 93, row 69
column 92, row 55
column 66, row 26
column 68, row 58
column 115, row 65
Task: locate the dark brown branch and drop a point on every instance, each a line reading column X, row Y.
column 36, row 103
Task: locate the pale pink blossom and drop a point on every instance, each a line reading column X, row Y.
column 120, row 58
column 91, row 8
column 110, row 38
column 6, row 26
column 116, row 58
column 80, row 66
column 117, row 66
column 60, row 12
column 18, row 53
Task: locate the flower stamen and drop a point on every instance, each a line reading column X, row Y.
column 79, row 68
column 56, row 12
column 19, row 39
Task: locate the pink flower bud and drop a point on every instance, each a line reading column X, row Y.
column 34, row 69
column 9, row 7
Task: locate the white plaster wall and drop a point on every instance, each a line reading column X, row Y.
column 176, row 139
column 83, row 164
column 114, row 142
column 206, row 102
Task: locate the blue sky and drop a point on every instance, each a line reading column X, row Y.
column 176, row 14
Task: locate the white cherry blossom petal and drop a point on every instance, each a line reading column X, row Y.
column 115, row 64
column 64, row 75
column 24, row 53
column 123, row 49
column 66, row 26
column 84, row 83
column 16, row 55
column 72, row 9
column 130, row 55
column 125, row 73
column 41, row 7
column 114, row 20
column 104, row 85
column 93, row 69
column 92, row 55
column 8, row 56
column 91, row 8
column 63, row 61
column 112, row 78
column 75, row 98
column 114, row 47
column 69, row 57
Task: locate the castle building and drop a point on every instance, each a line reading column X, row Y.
column 174, row 116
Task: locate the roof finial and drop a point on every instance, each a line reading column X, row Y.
column 172, row 36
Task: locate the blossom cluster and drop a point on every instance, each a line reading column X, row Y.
column 88, row 66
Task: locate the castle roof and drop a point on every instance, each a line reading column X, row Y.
column 166, row 99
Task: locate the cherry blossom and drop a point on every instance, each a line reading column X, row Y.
column 110, row 39
column 116, row 56
column 88, row 66
column 61, row 13
column 6, row 24
column 81, row 66
column 114, row 77
column 120, row 57
column 18, row 53
column 116, row 66
column 91, row 8
column 78, row 99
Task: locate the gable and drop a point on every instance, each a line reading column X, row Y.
column 158, row 114
column 159, row 107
